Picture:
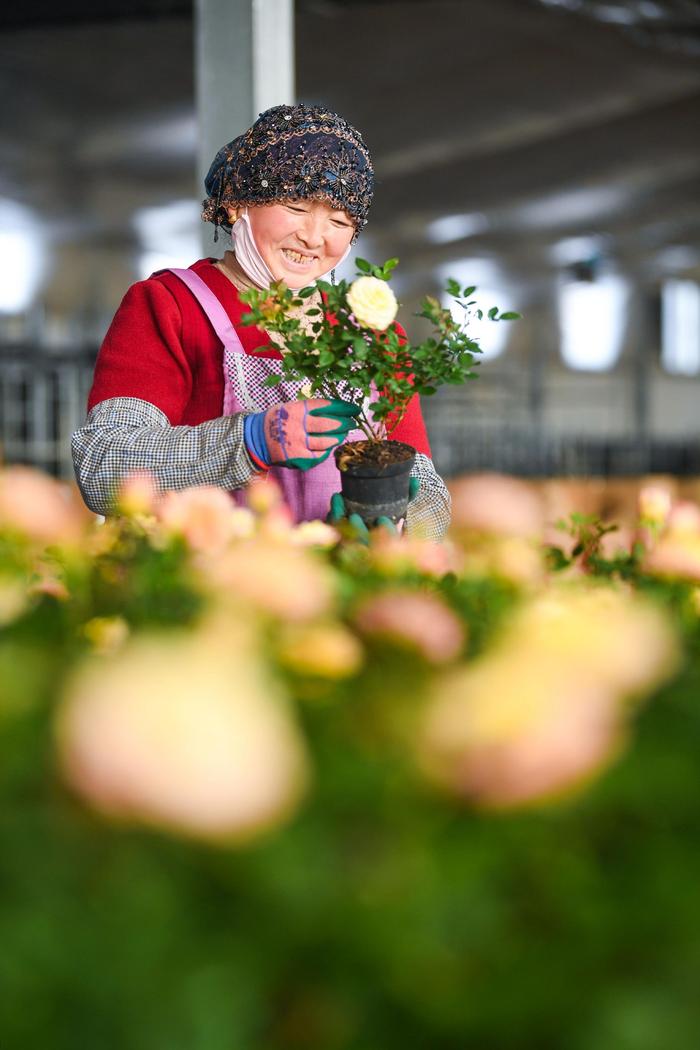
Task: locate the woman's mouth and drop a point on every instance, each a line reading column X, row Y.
column 298, row 259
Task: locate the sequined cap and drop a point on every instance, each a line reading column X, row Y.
column 292, row 153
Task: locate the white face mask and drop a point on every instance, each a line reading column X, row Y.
column 251, row 261
column 246, row 251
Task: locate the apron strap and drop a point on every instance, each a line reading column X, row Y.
column 220, row 320
column 224, row 328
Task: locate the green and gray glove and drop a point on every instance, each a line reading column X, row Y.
column 338, row 514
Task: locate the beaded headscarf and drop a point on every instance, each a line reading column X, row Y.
column 292, row 153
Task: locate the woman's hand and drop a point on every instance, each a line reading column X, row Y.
column 337, row 513
column 298, row 434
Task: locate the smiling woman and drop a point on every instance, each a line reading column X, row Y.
column 180, row 385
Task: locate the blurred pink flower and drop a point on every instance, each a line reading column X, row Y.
column 51, row 585
column 395, row 555
column 684, row 517
column 675, row 556
column 203, row 515
column 506, row 733
column 277, row 524
column 676, row 553
column 183, row 732
column 42, row 509
column 278, row 578
column 495, row 503
column 416, row 619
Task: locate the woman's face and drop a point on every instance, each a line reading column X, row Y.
column 300, row 240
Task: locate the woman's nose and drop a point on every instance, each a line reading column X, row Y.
column 312, row 230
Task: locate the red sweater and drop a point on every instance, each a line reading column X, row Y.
column 162, row 349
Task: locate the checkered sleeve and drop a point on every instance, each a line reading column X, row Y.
column 125, row 434
column 429, row 513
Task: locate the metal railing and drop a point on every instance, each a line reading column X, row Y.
column 42, row 401
column 526, row 452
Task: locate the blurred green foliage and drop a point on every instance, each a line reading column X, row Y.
column 384, row 916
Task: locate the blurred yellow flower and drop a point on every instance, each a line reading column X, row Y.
column 512, row 558
column 106, row 633
column 509, row 731
column 14, row 598
column 676, row 553
column 600, row 632
column 263, row 493
column 328, row 650
column 547, row 705
column 315, row 534
column 655, row 504
column 137, row 495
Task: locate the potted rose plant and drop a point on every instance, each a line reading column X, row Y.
column 348, row 345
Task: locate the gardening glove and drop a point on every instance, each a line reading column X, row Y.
column 298, row 434
column 337, row 513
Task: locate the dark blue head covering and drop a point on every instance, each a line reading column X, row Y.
column 292, row 153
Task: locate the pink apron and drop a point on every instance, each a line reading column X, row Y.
column 307, row 493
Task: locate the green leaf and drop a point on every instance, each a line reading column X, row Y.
column 272, row 380
column 360, row 348
column 304, row 293
column 493, row 313
column 469, row 291
column 510, row 315
column 325, row 358
column 363, row 265
column 452, row 286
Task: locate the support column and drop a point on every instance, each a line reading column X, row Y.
column 244, row 63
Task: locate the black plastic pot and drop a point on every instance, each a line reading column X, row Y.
column 374, row 491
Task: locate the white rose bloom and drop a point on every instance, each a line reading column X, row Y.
column 372, row 302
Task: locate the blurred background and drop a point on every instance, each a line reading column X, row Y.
column 545, row 150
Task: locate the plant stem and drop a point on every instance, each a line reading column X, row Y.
column 363, row 423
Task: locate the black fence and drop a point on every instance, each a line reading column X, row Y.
column 42, row 401
column 534, row 454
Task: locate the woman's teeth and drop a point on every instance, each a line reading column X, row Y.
column 296, row 257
